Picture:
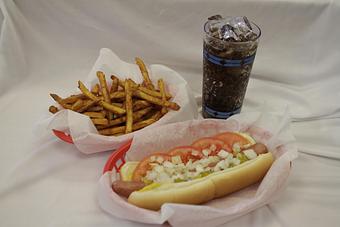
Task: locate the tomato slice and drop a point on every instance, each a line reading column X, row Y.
column 186, row 153
column 229, row 138
column 144, row 165
column 206, row 142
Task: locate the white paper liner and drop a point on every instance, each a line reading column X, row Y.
column 272, row 130
column 83, row 132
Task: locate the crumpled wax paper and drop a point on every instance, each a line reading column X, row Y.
column 80, row 127
column 272, row 130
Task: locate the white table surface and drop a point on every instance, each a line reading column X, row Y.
column 48, row 45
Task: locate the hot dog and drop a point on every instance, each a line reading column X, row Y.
column 210, row 168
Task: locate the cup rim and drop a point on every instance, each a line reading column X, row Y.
column 233, row 42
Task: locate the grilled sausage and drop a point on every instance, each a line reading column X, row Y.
column 125, row 188
column 259, row 148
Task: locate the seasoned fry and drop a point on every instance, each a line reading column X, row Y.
column 99, row 121
column 114, row 122
column 95, row 89
column 121, row 129
column 112, row 108
column 157, row 115
column 53, row 109
column 95, row 114
column 128, row 106
column 132, row 84
column 77, row 105
column 113, row 77
column 59, row 101
column 119, row 134
column 95, row 108
column 117, row 95
column 145, row 73
column 89, row 104
column 162, row 91
column 143, row 124
column 114, row 84
column 121, row 84
column 136, row 116
column 153, row 93
column 140, row 113
column 73, row 98
column 156, row 101
column 112, row 131
column 118, row 104
column 105, row 91
column 86, row 92
column 140, row 104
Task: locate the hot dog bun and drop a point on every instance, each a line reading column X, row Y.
column 204, row 189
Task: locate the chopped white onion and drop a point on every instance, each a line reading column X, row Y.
column 235, row 161
column 223, row 154
column 206, row 152
column 236, row 147
column 213, row 147
column 176, row 159
column 250, row 153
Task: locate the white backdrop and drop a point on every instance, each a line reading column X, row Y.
column 47, row 45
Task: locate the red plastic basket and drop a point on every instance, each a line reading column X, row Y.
column 116, row 159
column 63, row 136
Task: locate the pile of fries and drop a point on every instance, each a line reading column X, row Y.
column 122, row 106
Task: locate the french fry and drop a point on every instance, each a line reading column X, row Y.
column 121, row 84
column 99, row 121
column 60, row 102
column 95, row 114
column 118, row 134
column 114, row 109
column 86, row 92
column 77, row 105
column 73, row 98
column 132, row 84
column 121, row 129
column 95, row 89
column 157, row 115
column 143, row 124
column 105, row 91
column 153, row 93
column 117, row 95
column 162, row 91
column 128, row 107
column 140, row 113
column 155, row 100
column 112, row 131
column 95, row 108
column 136, row 116
column 118, row 104
column 113, row 122
column 53, row 109
column 114, row 84
column 140, row 104
column 88, row 105
column 145, row 73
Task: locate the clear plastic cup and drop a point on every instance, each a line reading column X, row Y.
column 226, row 69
